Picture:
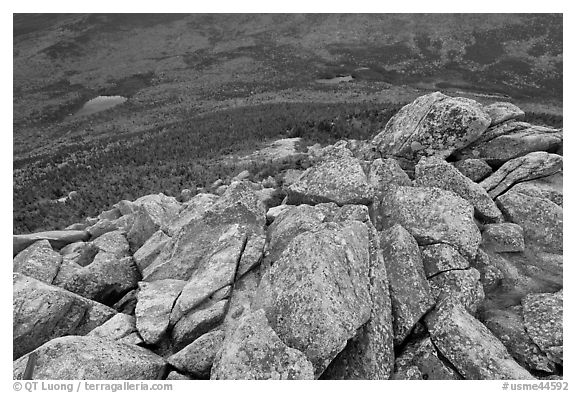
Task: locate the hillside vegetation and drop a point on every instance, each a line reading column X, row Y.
column 201, row 87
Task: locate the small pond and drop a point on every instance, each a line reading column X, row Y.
column 337, row 79
column 100, row 103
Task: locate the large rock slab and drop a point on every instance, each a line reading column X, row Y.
column 469, row 346
column 438, row 258
column 79, row 253
column 216, row 271
column 541, row 219
column 434, row 124
column 386, row 173
column 511, row 140
column 254, row 351
column 338, row 178
column 194, row 324
column 316, row 294
column 105, row 280
column 198, row 357
column 528, row 167
column 463, row 285
column 370, row 354
column 292, row 222
column 549, row 187
column 155, row 302
column 241, row 299
column 409, row 290
column 113, row 242
column 500, row 112
column 195, row 248
column 42, row 312
column 543, row 314
column 505, row 237
column 216, row 235
column 436, row 172
column 422, row 355
column 508, row 277
column 121, row 327
column 39, row 261
column 89, row 358
column 150, row 214
column 508, row 326
column 57, row 239
column 150, row 249
column 194, row 209
column 252, row 254
column 474, row 169
column 104, row 225
column 432, row 216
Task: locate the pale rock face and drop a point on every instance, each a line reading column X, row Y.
column 275, row 211
column 113, row 242
column 438, row 258
column 432, row 216
column 254, row 351
column 291, row 223
column 196, row 323
column 193, row 209
column 43, row 312
column 150, row 249
column 151, row 213
column 80, row 253
column 316, row 294
column 386, row 173
column 548, row 187
column 176, row 376
column 194, row 249
column 463, row 285
column 434, row 124
column 337, row 178
column 505, row 237
column 245, row 174
column 528, row 167
column 121, row 327
column 241, row 300
column 88, row 358
column 102, row 269
column 473, row 350
column 500, row 112
column 197, row 358
column 38, row 261
column 474, row 169
column 409, row 291
column 105, row 225
column 540, row 219
column 422, row 355
column 57, row 239
column 155, row 302
column 543, row 321
column 370, row 354
column 508, row 277
column 105, row 280
column 187, row 194
column 222, row 237
column 510, row 140
column 216, row 271
column 435, row 172
column 508, row 326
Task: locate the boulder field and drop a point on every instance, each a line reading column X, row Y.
column 432, row 251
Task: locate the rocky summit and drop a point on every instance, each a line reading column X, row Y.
column 432, row 251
